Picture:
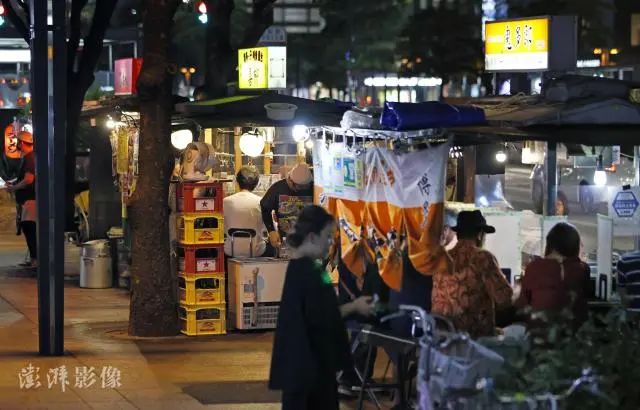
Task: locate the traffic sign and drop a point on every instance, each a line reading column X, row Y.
column 273, row 36
column 625, row 204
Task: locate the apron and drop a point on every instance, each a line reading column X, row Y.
column 29, row 211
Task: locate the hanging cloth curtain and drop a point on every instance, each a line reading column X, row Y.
column 424, row 180
column 383, row 202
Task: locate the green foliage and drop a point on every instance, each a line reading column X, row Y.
column 360, row 36
column 188, row 39
column 188, row 42
column 609, row 345
column 443, row 42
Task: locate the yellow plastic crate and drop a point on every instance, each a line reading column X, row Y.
column 200, row 229
column 200, row 289
column 198, row 321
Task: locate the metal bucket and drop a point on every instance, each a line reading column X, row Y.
column 95, row 265
column 71, row 255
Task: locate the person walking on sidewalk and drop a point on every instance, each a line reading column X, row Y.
column 311, row 343
column 25, row 192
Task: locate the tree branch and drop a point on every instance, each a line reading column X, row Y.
column 261, row 19
column 20, row 24
column 93, row 41
column 75, row 27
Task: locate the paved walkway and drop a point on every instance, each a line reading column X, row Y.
column 154, row 373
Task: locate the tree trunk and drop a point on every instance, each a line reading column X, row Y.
column 153, row 299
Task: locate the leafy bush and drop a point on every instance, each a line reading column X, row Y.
column 609, row 344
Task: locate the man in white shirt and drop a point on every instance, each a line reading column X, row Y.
column 242, row 214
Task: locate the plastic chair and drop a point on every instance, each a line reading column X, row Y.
column 242, row 233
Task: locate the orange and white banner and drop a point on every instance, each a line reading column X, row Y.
column 385, row 202
column 404, row 197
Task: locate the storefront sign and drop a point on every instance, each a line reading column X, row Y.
column 123, row 151
column 262, row 68
column 126, row 75
column 624, row 208
column 517, row 45
column 535, row 44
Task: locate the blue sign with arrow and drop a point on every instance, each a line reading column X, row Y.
column 625, row 204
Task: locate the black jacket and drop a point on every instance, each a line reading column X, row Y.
column 311, row 342
column 287, row 203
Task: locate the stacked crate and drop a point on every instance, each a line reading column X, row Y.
column 200, row 252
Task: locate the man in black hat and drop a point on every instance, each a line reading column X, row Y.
column 470, row 294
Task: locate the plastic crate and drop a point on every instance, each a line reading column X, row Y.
column 200, row 259
column 202, row 289
column 199, row 229
column 267, row 317
column 197, row 197
column 198, row 321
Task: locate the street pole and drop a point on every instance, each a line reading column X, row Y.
column 636, row 169
column 636, row 164
column 48, row 80
column 552, row 177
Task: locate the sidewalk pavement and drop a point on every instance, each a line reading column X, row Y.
column 154, row 373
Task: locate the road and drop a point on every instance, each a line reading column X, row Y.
column 518, row 193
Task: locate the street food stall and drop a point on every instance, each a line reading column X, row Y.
column 593, row 114
column 270, row 132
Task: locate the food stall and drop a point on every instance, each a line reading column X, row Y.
column 270, row 132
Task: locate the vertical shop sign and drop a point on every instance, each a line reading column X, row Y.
column 122, row 159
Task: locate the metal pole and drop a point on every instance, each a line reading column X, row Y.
column 636, row 168
column 552, row 178
column 48, row 80
column 636, row 164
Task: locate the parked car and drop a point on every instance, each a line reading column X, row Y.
column 577, row 190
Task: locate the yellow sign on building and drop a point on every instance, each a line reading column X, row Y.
column 516, row 45
column 262, row 68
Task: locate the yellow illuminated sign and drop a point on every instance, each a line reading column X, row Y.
column 517, row 45
column 262, row 68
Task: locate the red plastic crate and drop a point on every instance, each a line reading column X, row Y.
column 199, row 197
column 200, row 259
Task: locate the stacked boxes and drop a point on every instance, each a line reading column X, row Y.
column 200, row 252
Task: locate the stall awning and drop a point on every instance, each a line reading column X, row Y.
column 589, row 121
column 248, row 110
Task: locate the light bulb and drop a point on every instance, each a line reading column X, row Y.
column 111, row 124
column 501, row 156
column 600, row 178
column 300, row 133
column 309, row 144
column 252, row 144
column 181, row 138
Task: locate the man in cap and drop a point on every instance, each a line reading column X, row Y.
column 25, row 192
column 471, row 292
column 286, row 198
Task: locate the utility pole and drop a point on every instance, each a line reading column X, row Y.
column 48, row 82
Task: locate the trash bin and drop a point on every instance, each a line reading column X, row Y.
column 95, row 265
column 71, row 255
